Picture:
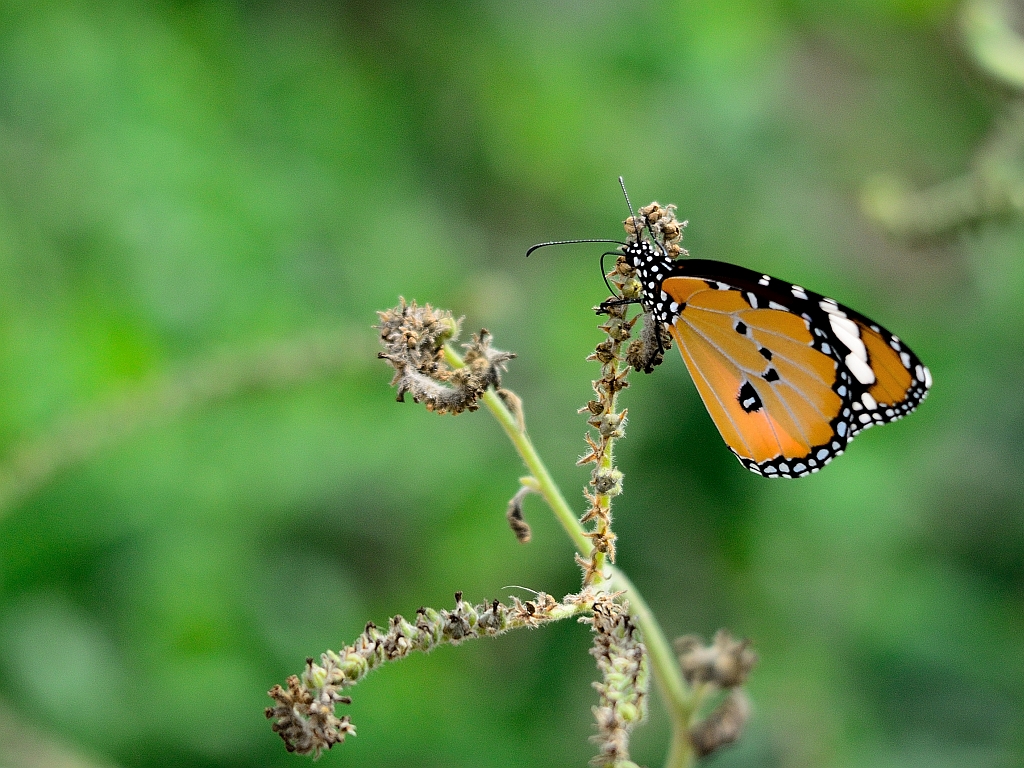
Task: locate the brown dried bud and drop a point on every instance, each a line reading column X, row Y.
column 607, row 481
column 648, row 351
column 723, row 726
column 514, row 515
column 725, row 663
column 622, row 268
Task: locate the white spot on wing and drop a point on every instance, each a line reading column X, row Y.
column 869, row 401
column 775, row 305
column 798, row 292
column 849, row 334
column 927, row 378
column 860, row 369
column 830, row 306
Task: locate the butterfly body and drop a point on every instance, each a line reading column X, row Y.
column 789, row 376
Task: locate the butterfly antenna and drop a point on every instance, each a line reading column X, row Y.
column 570, row 242
column 629, row 205
column 517, row 586
column 646, row 223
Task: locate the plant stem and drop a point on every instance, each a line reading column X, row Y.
column 680, row 754
column 545, row 484
column 666, row 671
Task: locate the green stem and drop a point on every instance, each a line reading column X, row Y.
column 680, row 753
column 545, row 484
column 667, row 674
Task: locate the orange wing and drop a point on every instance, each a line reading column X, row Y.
column 778, row 393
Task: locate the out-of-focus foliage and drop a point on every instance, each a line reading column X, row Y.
column 181, row 179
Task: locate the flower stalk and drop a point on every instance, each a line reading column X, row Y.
column 629, row 645
column 304, row 712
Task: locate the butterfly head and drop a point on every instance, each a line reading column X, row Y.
column 652, row 264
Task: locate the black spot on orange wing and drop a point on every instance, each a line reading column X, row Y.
column 749, row 400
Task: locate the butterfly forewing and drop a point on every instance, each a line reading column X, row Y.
column 768, row 385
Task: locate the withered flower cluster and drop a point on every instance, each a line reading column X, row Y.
column 414, row 337
column 648, row 351
column 722, row 666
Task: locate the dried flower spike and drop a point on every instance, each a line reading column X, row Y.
column 622, row 660
column 304, row 715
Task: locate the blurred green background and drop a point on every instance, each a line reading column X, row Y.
column 187, row 188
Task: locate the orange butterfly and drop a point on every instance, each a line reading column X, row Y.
column 789, row 376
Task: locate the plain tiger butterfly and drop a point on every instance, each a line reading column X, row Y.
column 788, row 376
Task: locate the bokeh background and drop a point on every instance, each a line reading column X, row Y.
column 205, row 477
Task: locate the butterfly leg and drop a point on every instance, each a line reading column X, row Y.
column 604, row 306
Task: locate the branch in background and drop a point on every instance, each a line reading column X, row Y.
column 723, row 666
column 993, row 186
column 989, row 32
column 31, row 464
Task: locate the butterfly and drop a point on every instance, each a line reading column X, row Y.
column 788, row 376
